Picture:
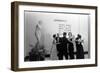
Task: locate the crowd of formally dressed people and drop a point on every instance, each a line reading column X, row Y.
column 63, row 47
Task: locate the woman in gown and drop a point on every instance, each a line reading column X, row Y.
column 71, row 46
column 53, row 53
column 79, row 47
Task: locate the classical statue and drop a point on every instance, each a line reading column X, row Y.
column 38, row 31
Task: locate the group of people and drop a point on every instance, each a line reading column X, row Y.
column 63, row 47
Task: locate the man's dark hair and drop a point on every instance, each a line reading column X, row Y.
column 64, row 33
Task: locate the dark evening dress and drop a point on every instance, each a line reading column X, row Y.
column 71, row 49
column 79, row 50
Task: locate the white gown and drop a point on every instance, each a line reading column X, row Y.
column 53, row 55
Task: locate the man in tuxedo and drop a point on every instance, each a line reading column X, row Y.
column 63, row 50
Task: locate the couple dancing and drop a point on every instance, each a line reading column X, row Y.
column 64, row 47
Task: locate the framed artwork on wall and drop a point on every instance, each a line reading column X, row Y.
column 52, row 36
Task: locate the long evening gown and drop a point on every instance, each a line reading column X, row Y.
column 54, row 51
column 79, row 50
